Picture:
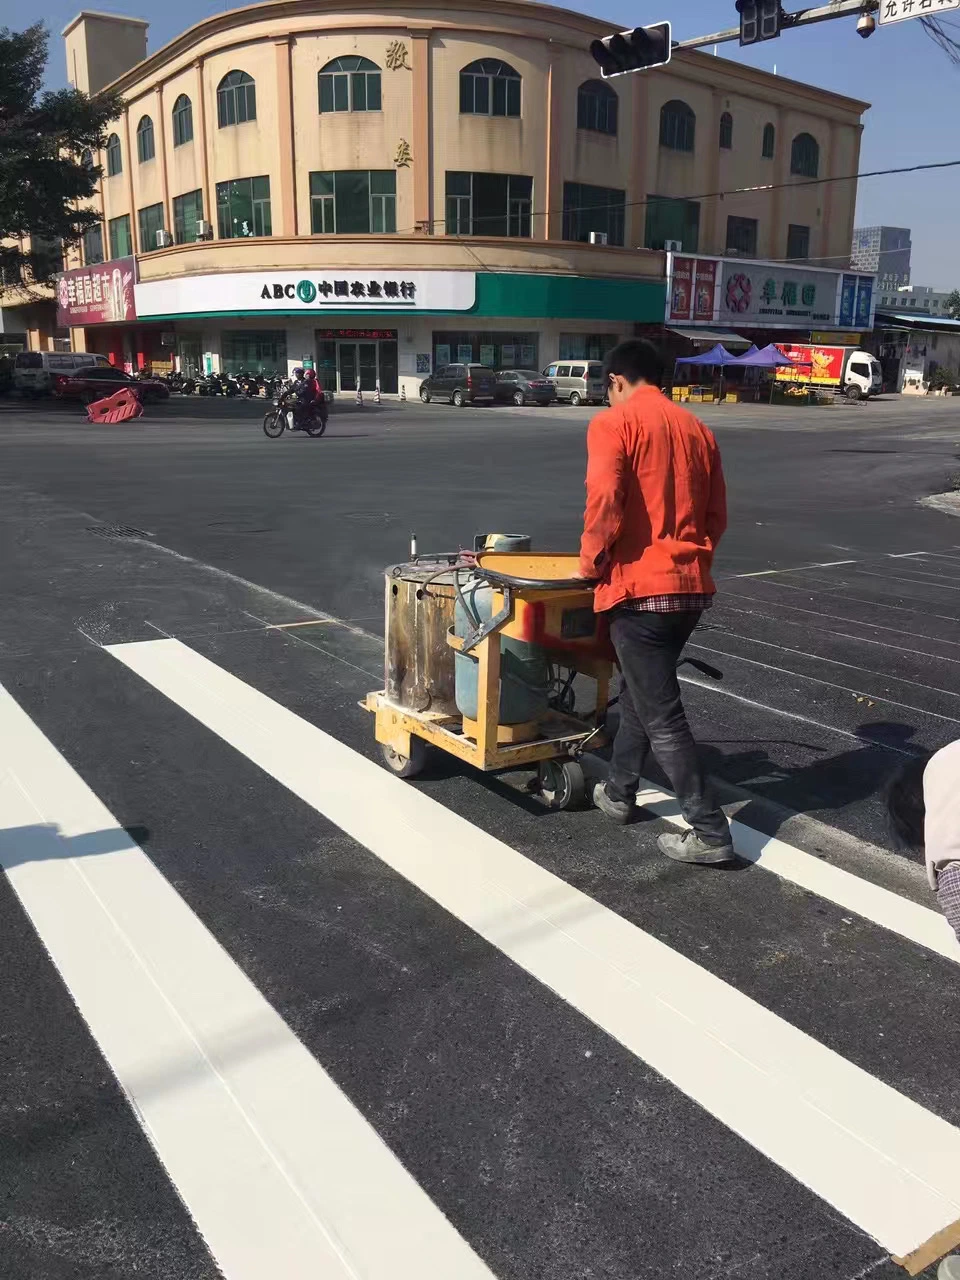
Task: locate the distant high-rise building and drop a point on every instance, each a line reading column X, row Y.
column 884, row 251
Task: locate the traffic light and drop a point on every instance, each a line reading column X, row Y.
column 634, row 50
column 759, row 20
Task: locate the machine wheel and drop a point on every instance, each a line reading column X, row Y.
column 562, row 784
column 424, row 395
column 576, row 399
column 457, row 399
column 274, row 424
column 406, row 766
column 519, row 398
column 853, row 393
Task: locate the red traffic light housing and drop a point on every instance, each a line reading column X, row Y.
column 635, row 50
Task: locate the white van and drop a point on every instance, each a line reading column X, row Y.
column 577, row 380
column 33, row 371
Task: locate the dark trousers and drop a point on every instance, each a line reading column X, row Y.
column 648, row 646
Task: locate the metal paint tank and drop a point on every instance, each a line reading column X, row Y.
column 418, row 662
column 524, row 668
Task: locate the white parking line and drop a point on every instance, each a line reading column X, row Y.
column 281, row 1174
column 882, row 1160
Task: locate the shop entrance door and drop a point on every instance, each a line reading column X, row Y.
column 357, row 358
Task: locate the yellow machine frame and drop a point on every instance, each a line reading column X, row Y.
column 555, row 735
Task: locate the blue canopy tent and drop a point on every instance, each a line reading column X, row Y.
column 767, row 358
column 717, row 355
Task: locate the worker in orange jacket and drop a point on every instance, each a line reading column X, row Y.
column 655, row 511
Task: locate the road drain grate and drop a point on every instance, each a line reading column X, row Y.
column 117, row 531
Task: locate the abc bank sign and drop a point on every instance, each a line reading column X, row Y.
column 344, row 290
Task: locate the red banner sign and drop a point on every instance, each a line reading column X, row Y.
column 821, row 366
column 101, row 294
column 681, row 288
column 704, row 289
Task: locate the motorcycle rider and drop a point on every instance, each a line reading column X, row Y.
column 308, row 396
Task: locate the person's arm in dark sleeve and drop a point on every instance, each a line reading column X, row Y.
column 603, row 516
column 717, row 500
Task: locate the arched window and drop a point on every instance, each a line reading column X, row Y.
column 146, row 149
column 114, row 156
column 350, row 84
column 678, row 126
column 489, row 87
column 182, row 121
column 597, row 107
column 805, row 156
column 769, row 141
column 236, row 99
column 726, row 131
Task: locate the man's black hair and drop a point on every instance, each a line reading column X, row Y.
column 635, row 360
column 905, row 806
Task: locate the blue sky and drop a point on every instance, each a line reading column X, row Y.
column 914, row 90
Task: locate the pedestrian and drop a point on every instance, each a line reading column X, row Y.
column 923, row 802
column 655, row 511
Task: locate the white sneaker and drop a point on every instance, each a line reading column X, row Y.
column 950, row 1268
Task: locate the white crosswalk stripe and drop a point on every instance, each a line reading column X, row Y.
column 279, row 1171
column 886, row 1163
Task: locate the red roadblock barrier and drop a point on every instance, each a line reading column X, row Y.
column 120, row 407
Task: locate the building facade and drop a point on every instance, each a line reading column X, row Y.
column 915, row 297
column 381, row 189
column 885, row 252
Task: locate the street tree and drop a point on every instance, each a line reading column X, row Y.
column 46, row 144
column 952, row 304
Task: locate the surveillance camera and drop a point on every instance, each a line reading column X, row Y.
column 866, row 25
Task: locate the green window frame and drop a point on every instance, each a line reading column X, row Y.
column 353, row 202
column 121, row 240
column 187, row 212
column 350, row 83
column 243, row 208
column 150, row 221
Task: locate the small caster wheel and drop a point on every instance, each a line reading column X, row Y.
column 406, row 766
column 562, row 785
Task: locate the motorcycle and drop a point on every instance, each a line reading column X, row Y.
column 281, row 417
column 210, row 385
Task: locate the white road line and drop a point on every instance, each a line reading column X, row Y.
column 712, row 687
column 281, row 1174
column 837, row 617
column 829, row 684
column 873, row 604
column 828, row 631
column 882, row 1160
column 819, row 657
column 762, row 573
column 923, row 925
column 915, row 582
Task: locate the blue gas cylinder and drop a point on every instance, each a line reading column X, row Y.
column 524, row 668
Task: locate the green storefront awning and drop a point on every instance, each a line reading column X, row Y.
column 537, row 297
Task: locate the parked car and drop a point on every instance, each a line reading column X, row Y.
column 523, row 385
column 460, row 383
column 98, row 381
column 34, row 371
column 578, row 380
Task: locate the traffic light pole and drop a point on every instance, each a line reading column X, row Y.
column 803, row 18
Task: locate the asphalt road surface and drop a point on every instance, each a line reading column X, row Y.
column 268, row 1011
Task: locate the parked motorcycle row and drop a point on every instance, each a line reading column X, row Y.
column 245, row 385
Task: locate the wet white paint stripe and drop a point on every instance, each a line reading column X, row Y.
column 882, row 1160
column 281, row 1174
column 923, row 925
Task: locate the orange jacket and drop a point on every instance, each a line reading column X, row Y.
column 656, row 501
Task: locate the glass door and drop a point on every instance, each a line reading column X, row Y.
column 367, row 353
column 357, row 358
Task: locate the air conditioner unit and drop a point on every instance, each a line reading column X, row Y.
column 164, row 239
column 204, row 230
column 673, row 246
column 598, row 237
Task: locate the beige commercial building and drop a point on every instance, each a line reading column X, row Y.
column 382, row 188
